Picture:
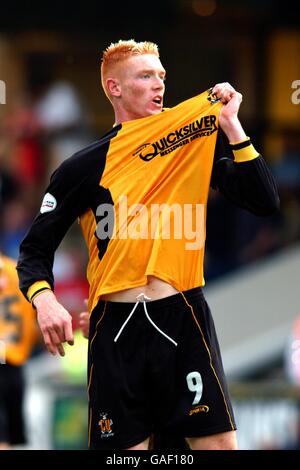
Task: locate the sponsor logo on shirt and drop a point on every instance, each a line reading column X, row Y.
column 203, row 127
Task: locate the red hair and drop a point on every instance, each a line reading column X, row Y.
column 121, row 50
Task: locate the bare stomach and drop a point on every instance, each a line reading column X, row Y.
column 155, row 289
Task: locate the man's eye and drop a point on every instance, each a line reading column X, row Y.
column 146, row 75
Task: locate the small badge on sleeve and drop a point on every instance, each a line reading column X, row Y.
column 49, row 203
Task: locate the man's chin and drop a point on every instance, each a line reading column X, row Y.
column 155, row 111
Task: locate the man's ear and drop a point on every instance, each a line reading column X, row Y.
column 113, row 86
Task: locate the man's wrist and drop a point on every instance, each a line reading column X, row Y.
column 40, row 297
column 36, row 289
column 233, row 129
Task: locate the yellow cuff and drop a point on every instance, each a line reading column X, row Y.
column 36, row 288
column 245, row 154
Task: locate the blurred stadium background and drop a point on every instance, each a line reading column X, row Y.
column 51, row 105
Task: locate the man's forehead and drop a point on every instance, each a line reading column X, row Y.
column 144, row 62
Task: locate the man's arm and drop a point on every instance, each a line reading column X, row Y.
column 239, row 172
column 63, row 202
column 67, row 196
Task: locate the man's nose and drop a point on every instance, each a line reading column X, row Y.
column 158, row 83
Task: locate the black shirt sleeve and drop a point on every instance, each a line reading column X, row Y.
column 71, row 191
column 249, row 185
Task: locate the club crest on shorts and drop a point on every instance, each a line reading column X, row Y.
column 105, row 424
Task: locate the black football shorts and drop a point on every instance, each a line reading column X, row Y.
column 155, row 367
column 11, row 404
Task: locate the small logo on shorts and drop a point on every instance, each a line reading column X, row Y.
column 105, row 424
column 199, row 409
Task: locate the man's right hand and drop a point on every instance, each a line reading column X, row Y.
column 54, row 321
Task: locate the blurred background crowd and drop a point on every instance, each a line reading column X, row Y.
column 54, row 106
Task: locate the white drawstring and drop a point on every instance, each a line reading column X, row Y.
column 143, row 298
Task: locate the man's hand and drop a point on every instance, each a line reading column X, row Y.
column 228, row 117
column 84, row 323
column 54, row 321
